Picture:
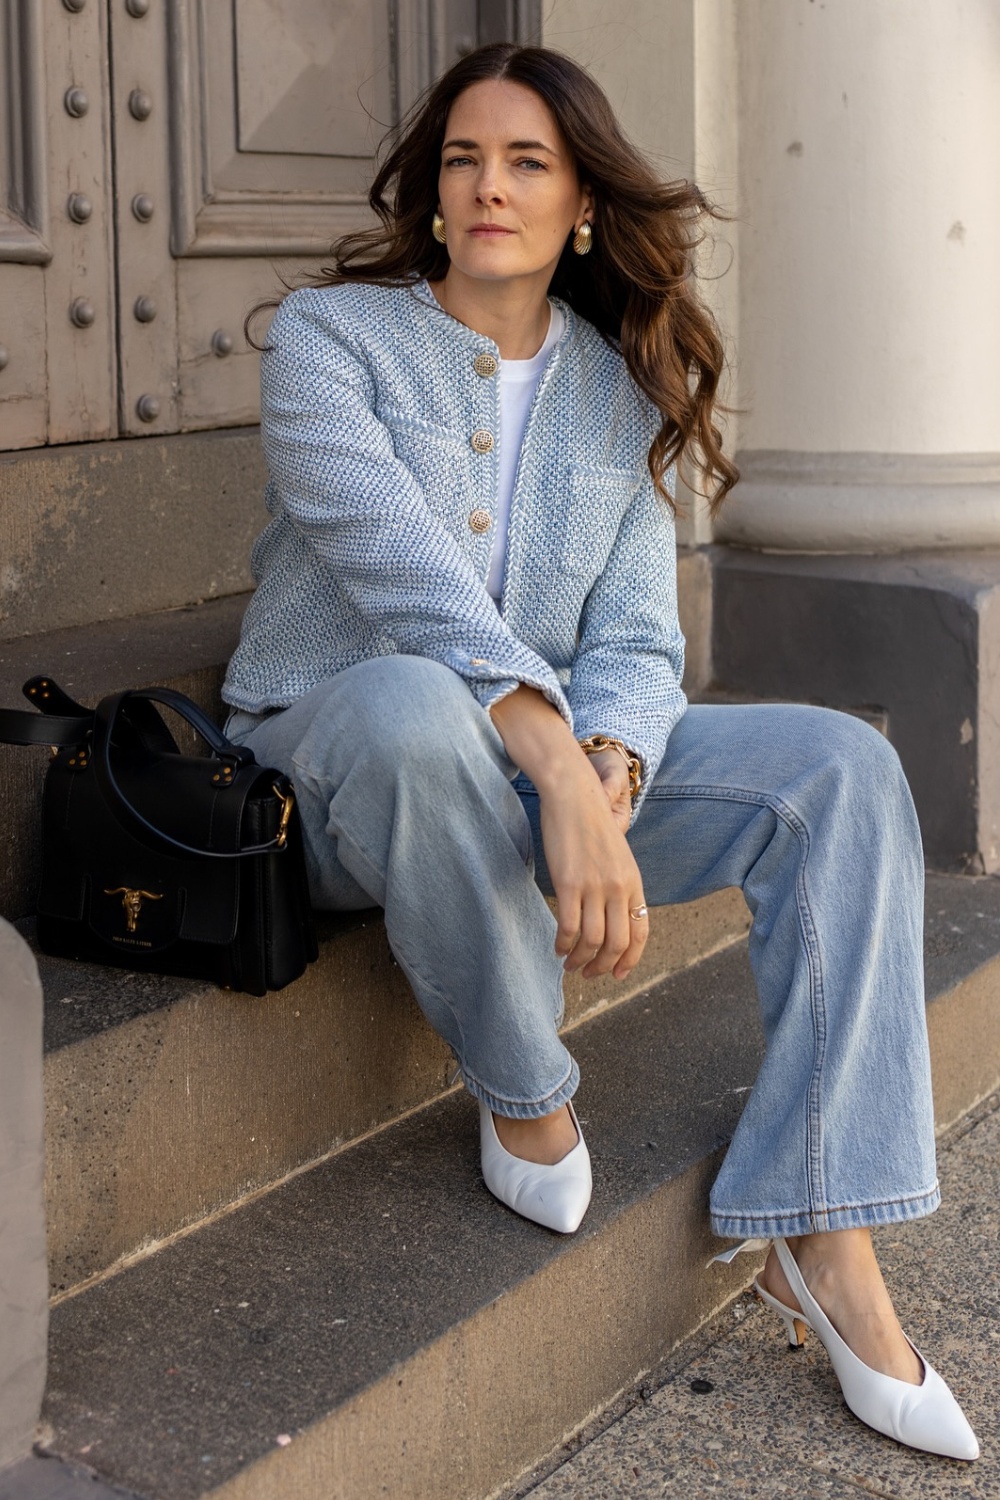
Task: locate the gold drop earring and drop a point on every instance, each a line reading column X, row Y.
column 583, row 239
column 438, row 229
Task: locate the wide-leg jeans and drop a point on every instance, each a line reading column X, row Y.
column 409, row 802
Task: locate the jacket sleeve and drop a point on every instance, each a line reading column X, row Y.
column 626, row 677
column 359, row 508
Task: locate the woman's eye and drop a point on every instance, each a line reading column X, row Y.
column 458, row 161
column 532, row 162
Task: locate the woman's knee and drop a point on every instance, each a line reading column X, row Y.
column 769, row 748
column 855, row 774
column 859, row 750
column 409, row 702
column 396, row 715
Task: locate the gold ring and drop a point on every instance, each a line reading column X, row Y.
column 638, row 912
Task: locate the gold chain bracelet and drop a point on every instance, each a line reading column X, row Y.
column 595, row 743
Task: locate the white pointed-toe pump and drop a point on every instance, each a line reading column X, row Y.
column 555, row 1196
column 924, row 1416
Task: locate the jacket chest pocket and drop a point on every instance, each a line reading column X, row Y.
column 592, row 517
column 440, row 465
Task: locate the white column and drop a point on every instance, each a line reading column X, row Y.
column 869, row 282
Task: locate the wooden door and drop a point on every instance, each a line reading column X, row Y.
column 57, row 305
column 166, row 163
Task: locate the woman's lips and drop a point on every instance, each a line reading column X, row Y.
column 489, row 231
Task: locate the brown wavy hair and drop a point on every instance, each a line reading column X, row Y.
column 637, row 285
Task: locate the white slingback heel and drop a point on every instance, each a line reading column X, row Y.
column 924, row 1416
column 556, row 1197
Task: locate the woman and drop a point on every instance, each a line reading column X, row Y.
column 464, row 648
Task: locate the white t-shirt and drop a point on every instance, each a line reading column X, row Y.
column 518, row 382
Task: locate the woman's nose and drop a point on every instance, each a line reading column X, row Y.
column 488, row 189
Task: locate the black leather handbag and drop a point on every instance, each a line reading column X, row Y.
column 157, row 860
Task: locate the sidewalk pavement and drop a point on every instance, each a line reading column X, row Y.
column 772, row 1422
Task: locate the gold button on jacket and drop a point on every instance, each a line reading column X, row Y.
column 482, row 440
column 480, row 520
column 485, row 365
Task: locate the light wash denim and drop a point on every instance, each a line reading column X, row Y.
column 410, row 802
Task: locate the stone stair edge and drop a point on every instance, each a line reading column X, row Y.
column 280, row 1082
column 139, row 1077
column 136, row 651
column 116, row 528
column 457, row 1409
column 400, row 1260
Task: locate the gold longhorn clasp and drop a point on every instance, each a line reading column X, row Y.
column 132, row 902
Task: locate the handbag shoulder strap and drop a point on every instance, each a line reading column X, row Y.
column 60, row 720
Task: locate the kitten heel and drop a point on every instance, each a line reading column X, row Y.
column 795, row 1325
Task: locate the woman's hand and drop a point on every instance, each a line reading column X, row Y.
column 584, row 814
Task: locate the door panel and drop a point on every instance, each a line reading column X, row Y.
column 24, row 402
column 167, row 164
column 57, row 306
column 271, row 148
column 23, row 202
column 24, row 239
column 218, row 372
column 276, row 110
column 81, row 313
column 295, row 93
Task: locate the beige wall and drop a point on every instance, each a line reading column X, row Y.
column 669, row 67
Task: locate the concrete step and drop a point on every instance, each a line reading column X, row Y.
column 378, row 1325
column 100, row 531
column 168, row 1099
column 185, row 649
column 711, row 693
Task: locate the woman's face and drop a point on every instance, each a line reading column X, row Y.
column 509, row 191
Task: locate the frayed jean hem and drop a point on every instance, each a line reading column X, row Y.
column 851, row 1216
column 525, row 1109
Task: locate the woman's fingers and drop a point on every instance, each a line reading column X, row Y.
column 569, row 913
column 590, row 938
column 638, row 937
column 608, row 940
column 613, row 774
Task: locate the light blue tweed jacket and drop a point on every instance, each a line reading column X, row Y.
column 374, row 419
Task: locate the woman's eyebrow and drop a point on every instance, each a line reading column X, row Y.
column 511, row 146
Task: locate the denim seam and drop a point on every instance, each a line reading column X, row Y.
column 814, row 1132
column 412, row 968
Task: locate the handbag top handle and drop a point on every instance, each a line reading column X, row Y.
column 64, row 722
